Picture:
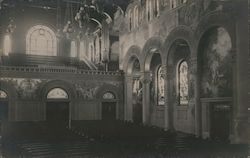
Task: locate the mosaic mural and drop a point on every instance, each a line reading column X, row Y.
column 217, row 68
column 26, row 88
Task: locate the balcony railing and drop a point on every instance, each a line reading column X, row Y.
column 57, row 69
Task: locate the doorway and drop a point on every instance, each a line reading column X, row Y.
column 3, row 118
column 220, row 122
column 137, row 113
column 109, row 111
column 57, row 114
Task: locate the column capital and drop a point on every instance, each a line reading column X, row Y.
column 146, row 77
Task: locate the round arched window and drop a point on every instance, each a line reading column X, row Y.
column 3, row 95
column 108, row 95
column 41, row 40
column 57, row 93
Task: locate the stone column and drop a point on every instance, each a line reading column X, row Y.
column 194, row 94
column 128, row 97
column 240, row 130
column 146, row 80
column 166, row 106
column 170, row 93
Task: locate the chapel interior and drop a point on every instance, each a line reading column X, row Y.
column 124, row 78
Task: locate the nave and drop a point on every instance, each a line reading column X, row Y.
column 113, row 139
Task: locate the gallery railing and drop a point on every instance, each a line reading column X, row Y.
column 57, row 69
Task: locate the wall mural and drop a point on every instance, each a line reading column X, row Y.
column 88, row 90
column 26, row 88
column 217, row 68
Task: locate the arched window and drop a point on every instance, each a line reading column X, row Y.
column 157, row 7
column 183, row 82
column 73, row 49
column 108, row 95
column 57, row 93
column 173, row 3
column 82, row 50
column 92, row 52
column 149, row 9
column 41, row 40
column 130, row 20
column 97, row 49
column 160, row 86
column 3, row 95
column 6, row 45
column 136, row 17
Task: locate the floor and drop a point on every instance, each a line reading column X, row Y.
column 101, row 139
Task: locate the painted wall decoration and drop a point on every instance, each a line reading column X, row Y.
column 3, row 95
column 26, row 88
column 217, row 68
column 57, row 93
column 86, row 93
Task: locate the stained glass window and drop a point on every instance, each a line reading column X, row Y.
column 57, row 93
column 3, row 94
column 183, row 83
column 160, row 87
column 7, row 45
column 73, row 49
column 41, row 40
column 108, row 95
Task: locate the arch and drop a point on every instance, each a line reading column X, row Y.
column 107, row 88
column 152, row 46
column 180, row 33
column 47, row 87
column 133, row 53
column 182, row 82
column 41, row 40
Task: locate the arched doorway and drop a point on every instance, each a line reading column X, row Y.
column 57, row 108
column 109, row 106
column 3, row 112
column 180, row 91
column 156, row 86
column 216, row 82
